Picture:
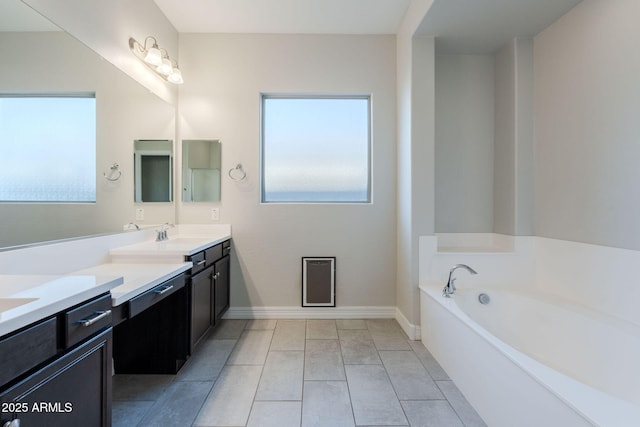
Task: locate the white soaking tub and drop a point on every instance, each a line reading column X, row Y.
column 531, row 360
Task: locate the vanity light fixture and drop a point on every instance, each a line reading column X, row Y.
column 157, row 59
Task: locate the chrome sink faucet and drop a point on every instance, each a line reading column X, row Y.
column 162, row 232
column 450, row 287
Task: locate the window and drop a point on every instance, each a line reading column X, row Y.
column 48, row 146
column 316, row 149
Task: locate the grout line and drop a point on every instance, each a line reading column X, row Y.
column 346, row 380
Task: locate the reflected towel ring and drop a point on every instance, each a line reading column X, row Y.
column 115, row 173
column 238, row 176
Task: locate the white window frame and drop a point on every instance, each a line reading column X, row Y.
column 266, row 96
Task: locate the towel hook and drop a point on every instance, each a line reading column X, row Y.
column 115, row 169
column 238, row 176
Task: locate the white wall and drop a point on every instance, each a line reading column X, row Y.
column 504, row 167
column 513, row 191
column 587, row 109
column 125, row 111
column 464, row 134
column 224, row 76
column 415, row 157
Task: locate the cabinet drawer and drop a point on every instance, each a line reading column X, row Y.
column 87, row 319
column 198, row 262
column 152, row 296
column 27, row 348
column 226, row 248
column 213, row 254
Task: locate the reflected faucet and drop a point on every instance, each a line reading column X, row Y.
column 162, row 232
column 450, row 288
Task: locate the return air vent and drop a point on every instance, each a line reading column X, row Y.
column 319, row 282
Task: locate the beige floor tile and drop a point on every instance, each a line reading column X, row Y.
column 289, row 335
column 231, row 398
column 282, row 376
column 321, row 329
column 251, row 348
column 323, row 360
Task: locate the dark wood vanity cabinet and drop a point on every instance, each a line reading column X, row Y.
column 221, row 286
column 157, row 331
column 209, row 289
column 202, row 298
column 152, row 339
column 72, row 386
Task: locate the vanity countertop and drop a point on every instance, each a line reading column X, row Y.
column 137, row 278
column 132, row 270
column 173, row 250
column 25, row 299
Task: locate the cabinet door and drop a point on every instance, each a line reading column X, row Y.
column 74, row 390
column 201, row 296
column 221, row 300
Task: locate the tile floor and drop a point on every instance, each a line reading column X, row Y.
column 298, row 373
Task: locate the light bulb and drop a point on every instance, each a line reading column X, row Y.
column 153, row 56
column 165, row 67
column 175, row 77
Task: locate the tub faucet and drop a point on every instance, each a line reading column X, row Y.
column 162, row 232
column 450, row 287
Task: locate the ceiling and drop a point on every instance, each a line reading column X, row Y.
column 460, row 26
column 285, row 16
column 483, row 26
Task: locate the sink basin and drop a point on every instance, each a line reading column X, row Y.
column 9, row 303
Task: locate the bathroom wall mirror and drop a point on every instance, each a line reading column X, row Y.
column 125, row 111
column 153, row 170
column 201, row 164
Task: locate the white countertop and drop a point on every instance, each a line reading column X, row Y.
column 134, row 269
column 138, row 278
column 172, row 250
column 43, row 296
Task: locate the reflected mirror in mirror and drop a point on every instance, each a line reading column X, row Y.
column 201, row 164
column 153, row 169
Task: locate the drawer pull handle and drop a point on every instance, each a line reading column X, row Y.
column 99, row 315
column 201, row 262
column 163, row 290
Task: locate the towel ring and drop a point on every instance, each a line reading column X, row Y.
column 238, row 173
column 115, row 169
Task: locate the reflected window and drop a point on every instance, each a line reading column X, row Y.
column 316, row 149
column 48, row 146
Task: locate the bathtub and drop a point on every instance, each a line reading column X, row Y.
column 530, row 360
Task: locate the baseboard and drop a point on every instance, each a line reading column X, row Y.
column 412, row 331
column 354, row 312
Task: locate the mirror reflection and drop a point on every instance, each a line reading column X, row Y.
column 201, row 164
column 125, row 110
column 153, row 168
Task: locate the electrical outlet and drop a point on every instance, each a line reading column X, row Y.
column 215, row 214
column 139, row 214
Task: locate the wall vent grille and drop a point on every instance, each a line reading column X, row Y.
column 318, row 281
